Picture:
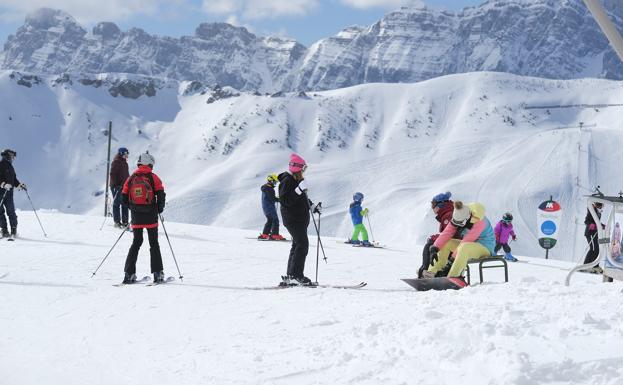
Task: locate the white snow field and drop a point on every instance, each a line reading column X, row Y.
column 60, row 326
column 473, row 134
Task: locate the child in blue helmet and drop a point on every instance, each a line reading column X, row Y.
column 357, row 214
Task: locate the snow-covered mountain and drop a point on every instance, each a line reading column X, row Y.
column 555, row 39
column 476, row 135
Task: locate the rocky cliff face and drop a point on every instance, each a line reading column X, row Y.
column 544, row 38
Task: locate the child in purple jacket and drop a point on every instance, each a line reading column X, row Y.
column 503, row 231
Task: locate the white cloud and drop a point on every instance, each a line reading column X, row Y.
column 88, row 11
column 260, row 9
column 385, row 4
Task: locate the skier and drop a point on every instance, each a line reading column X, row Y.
column 616, row 241
column 271, row 228
column 443, row 207
column 295, row 212
column 503, row 230
column 356, row 215
column 590, row 232
column 477, row 240
column 143, row 193
column 119, row 172
column 8, row 181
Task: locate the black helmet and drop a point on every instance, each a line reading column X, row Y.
column 8, row 152
column 507, row 217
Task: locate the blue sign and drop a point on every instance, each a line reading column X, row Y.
column 548, row 227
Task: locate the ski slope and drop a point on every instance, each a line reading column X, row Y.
column 60, row 326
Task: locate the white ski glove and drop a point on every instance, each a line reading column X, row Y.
column 301, row 188
column 6, row 186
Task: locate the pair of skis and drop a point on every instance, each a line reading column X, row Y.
column 312, row 285
column 147, row 280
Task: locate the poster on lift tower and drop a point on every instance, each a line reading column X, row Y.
column 548, row 217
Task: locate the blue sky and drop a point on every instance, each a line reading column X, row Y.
column 304, row 20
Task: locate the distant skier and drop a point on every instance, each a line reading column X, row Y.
column 477, row 240
column 144, row 193
column 271, row 228
column 503, row 231
column 356, row 215
column 8, row 181
column 295, row 212
column 443, row 207
column 616, row 241
column 119, row 172
column 590, row 232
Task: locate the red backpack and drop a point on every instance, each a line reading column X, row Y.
column 141, row 192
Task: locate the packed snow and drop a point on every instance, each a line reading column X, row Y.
column 60, row 326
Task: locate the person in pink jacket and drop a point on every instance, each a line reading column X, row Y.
column 503, row 232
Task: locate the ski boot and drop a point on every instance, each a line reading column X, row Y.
column 353, row 241
column 159, row 277
column 118, row 225
column 367, row 244
column 129, row 278
column 277, row 237
column 301, row 280
column 509, row 257
column 263, row 236
column 285, row 281
column 4, row 233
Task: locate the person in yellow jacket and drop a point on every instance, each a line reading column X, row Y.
column 477, row 239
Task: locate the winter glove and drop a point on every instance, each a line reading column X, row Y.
column 317, row 209
column 301, row 188
column 160, row 196
column 6, row 186
column 433, row 252
column 514, row 237
column 592, row 227
column 365, row 212
column 22, row 186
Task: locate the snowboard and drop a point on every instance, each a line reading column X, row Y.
column 437, row 283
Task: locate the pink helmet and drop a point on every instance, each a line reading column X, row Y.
column 297, row 163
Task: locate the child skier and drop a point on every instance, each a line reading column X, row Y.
column 295, row 212
column 477, row 240
column 271, row 228
column 443, row 207
column 144, row 193
column 8, row 181
column 504, row 230
column 356, row 215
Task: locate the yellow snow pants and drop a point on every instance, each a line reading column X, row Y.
column 463, row 252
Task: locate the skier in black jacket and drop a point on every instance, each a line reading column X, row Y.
column 590, row 232
column 295, row 212
column 8, row 181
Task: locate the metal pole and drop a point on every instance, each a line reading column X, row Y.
column 35, row 210
column 606, row 25
column 106, row 216
column 317, row 247
column 108, row 168
column 370, row 226
column 171, row 247
column 109, row 251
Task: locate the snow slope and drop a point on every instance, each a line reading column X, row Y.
column 59, row 326
column 476, row 135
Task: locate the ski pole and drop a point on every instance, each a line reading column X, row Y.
column 317, row 247
column 324, row 256
column 109, row 251
column 3, row 196
column 171, row 247
column 370, row 225
column 35, row 210
column 106, row 217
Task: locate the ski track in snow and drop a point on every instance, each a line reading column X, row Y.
column 208, row 329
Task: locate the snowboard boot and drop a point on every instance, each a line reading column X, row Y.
column 129, row 278
column 446, row 269
column 263, row 236
column 427, row 274
column 276, row 237
column 509, row 257
column 159, row 277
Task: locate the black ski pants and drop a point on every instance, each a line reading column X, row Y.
column 300, row 248
column 154, row 251
column 504, row 246
column 9, row 205
column 593, row 249
column 272, row 224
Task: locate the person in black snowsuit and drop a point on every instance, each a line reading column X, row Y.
column 590, row 232
column 119, row 172
column 271, row 228
column 295, row 212
column 8, row 182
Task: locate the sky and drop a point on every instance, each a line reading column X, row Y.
column 307, row 21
